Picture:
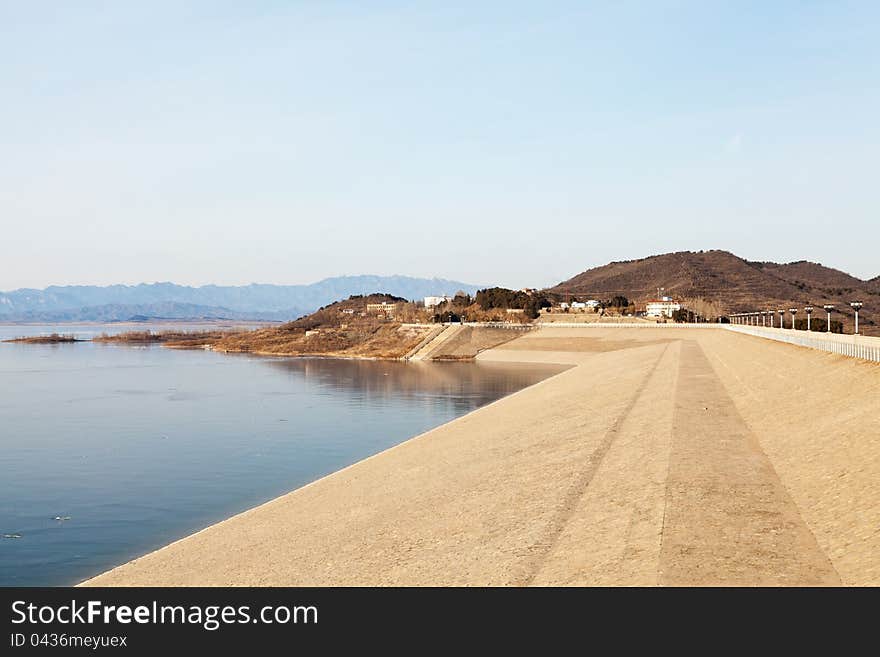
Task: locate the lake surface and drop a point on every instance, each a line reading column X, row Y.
column 134, row 447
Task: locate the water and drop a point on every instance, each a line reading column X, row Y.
column 139, row 446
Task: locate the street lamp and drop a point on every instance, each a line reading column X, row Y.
column 856, row 305
column 793, row 312
column 781, row 319
column 809, row 311
column 828, row 307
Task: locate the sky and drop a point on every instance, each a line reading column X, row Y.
column 510, row 143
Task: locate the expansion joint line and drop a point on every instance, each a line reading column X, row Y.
column 668, row 469
column 541, row 549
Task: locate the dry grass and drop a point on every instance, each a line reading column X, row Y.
column 177, row 339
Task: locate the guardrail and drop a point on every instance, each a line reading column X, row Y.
column 855, row 346
column 503, row 325
column 625, row 325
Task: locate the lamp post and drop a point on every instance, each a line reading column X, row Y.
column 856, row 305
column 793, row 312
column 809, row 311
column 781, row 319
column 828, row 307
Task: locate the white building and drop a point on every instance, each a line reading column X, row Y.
column 592, row 303
column 578, row 305
column 663, row 307
column 433, row 302
column 384, row 308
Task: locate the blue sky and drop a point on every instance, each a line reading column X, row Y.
column 496, row 142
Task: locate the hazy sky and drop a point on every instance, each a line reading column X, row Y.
column 496, row 142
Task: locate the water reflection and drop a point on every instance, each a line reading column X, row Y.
column 377, row 380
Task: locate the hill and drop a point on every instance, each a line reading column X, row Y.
column 805, row 274
column 167, row 300
column 338, row 329
column 732, row 283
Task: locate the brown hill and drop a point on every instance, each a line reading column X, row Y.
column 331, row 331
column 730, row 282
column 815, row 276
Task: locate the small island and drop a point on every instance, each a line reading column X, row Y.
column 54, row 338
column 173, row 339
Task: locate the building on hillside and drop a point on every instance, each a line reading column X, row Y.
column 662, row 307
column 434, row 301
column 580, row 306
column 385, row 309
column 592, row 303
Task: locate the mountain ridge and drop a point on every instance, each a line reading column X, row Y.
column 256, row 300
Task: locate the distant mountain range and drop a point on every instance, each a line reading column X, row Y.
column 170, row 301
column 735, row 284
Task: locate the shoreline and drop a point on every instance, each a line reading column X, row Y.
column 342, row 470
column 591, row 476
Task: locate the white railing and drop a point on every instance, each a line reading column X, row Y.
column 503, row 325
column 855, row 346
column 624, row 325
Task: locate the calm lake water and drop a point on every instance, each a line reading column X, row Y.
column 134, row 447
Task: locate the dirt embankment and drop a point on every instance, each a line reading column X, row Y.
column 385, row 340
column 362, row 338
column 471, row 340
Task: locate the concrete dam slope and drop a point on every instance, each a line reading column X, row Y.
column 662, row 457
